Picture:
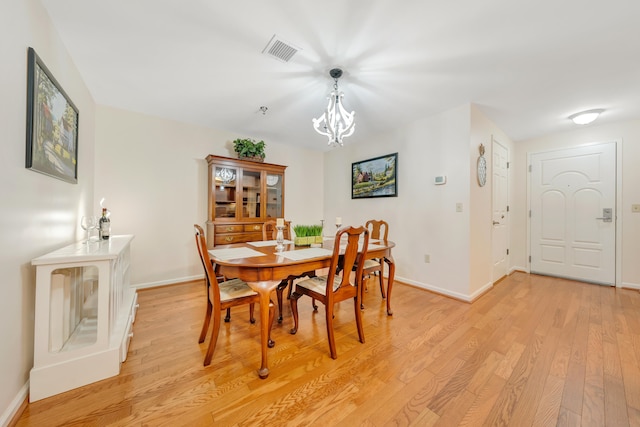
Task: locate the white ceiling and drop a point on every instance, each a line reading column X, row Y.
column 527, row 64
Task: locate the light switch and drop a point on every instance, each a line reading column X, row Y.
column 458, row 207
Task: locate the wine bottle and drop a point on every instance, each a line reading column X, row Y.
column 105, row 225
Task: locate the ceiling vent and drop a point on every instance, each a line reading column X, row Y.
column 280, row 49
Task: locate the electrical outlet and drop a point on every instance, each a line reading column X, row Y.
column 427, row 258
column 458, row 207
column 635, row 208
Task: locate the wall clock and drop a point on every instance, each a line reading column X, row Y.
column 482, row 167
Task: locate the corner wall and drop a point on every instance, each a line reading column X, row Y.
column 152, row 173
column 423, row 218
column 39, row 213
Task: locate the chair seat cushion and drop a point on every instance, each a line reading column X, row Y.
column 235, row 288
column 371, row 263
column 319, row 284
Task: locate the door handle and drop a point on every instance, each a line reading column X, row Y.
column 496, row 222
column 607, row 215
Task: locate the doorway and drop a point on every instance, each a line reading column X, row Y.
column 573, row 213
column 500, row 209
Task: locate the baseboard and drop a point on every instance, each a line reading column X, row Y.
column 168, row 282
column 628, row 285
column 517, row 268
column 17, row 406
column 436, row 289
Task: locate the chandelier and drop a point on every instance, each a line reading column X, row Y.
column 335, row 122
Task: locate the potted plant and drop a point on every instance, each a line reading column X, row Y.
column 307, row 234
column 249, row 149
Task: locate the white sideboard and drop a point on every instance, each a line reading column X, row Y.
column 85, row 309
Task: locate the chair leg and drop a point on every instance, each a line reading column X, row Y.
column 329, row 322
column 252, row 308
column 358, row 319
column 214, row 339
column 279, row 291
column 205, row 325
column 227, row 318
column 382, row 291
column 272, row 315
column 294, row 311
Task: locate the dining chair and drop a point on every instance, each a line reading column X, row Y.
column 269, row 232
column 339, row 284
column 378, row 230
column 222, row 295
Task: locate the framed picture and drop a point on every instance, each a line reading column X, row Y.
column 375, row 177
column 52, row 124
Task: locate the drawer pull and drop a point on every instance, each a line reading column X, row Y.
column 229, row 239
column 256, row 227
column 229, row 228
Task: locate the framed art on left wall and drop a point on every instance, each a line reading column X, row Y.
column 52, row 124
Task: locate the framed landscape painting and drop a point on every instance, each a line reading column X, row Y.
column 375, row 177
column 52, row 124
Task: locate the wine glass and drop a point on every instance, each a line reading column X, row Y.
column 88, row 223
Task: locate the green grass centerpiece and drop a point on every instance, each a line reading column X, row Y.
column 307, row 234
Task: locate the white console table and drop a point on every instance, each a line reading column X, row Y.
column 84, row 313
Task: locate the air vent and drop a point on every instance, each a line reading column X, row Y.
column 280, row 49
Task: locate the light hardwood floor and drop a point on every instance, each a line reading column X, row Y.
column 534, row 351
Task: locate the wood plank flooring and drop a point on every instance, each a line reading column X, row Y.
column 534, row 351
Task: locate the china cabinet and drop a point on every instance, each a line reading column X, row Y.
column 84, row 314
column 242, row 195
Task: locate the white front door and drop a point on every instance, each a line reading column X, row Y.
column 500, row 209
column 573, row 218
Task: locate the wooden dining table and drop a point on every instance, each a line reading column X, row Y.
column 263, row 268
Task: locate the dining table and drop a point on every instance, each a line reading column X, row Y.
column 263, row 267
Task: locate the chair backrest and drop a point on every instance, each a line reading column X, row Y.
column 378, row 229
column 213, row 290
column 269, row 230
column 344, row 258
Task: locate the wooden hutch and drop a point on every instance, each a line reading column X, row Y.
column 243, row 195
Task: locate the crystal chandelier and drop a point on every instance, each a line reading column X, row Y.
column 335, row 122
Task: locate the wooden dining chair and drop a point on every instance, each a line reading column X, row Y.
column 269, row 232
column 222, row 295
column 378, row 230
column 339, row 284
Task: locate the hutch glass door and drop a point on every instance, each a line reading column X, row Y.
column 225, row 192
column 274, row 195
column 251, row 184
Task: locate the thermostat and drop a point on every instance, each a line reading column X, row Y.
column 439, row 180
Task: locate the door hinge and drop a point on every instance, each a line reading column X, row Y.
column 530, row 168
column 529, row 258
column 529, row 213
column 507, row 208
column 507, row 251
column 507, row 165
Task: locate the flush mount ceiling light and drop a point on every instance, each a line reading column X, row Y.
column 335, row 123
column 586, row 117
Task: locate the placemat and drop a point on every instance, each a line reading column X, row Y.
column 233, row 253
column 261, row 243
column 306, row 253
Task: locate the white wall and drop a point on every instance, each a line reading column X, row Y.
column 152, row 173
column 628, row 133
column 481, row 261
column 39, row 213
column 423, row 218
